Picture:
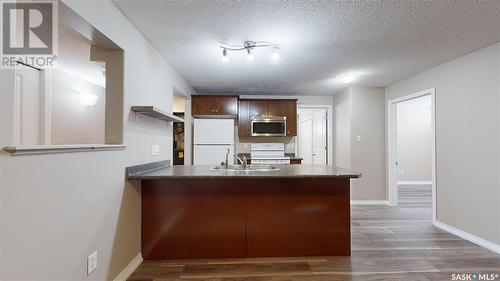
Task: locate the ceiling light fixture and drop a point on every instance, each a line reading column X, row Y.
column 249, row 47
column 225, row 57
column 347, row 77
column 250, row 56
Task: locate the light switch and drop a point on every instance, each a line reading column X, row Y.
column 358, row 139
column 155, row 150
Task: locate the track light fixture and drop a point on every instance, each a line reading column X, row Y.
column 249, row 55
column 225, row 57
column 249, row 47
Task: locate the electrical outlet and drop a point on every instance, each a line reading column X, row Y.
column 245, row 145
column 91, row 263
column 155, row 150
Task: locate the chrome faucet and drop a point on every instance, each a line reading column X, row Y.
column 226, row 164
column 244, row 162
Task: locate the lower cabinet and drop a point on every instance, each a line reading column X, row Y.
column 190, row 218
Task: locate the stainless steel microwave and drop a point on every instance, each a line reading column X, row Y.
column 264, row 126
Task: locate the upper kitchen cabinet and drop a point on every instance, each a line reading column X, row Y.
column 244, row 118
column 291, row 117
column 267, row 108
column 258, row 108
column 214, row 106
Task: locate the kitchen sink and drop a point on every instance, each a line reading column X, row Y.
column 250, row 168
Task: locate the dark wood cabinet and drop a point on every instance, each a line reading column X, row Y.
column 214, row 105
column 244, row 118
column 203, row 105
column 291, row 117
column 267, row 107
column 226, row 105
column 277, row 107
column 258, row 108
column 191, row 218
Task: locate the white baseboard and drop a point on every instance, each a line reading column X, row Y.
column 414, row 182
column 369, row 202
column 129, row 269
column 467, row 236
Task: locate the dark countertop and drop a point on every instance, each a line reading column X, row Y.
column 285, row 171
column 291, row 155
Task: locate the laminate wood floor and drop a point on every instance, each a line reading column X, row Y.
column 415, row 196
column 387, row 244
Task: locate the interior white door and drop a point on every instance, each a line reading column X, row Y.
column 306, row 140
column 319, row 146
column 27, row 113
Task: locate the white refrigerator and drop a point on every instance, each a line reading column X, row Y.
column 212, row 139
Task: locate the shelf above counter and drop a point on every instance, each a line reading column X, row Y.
column 154, row 112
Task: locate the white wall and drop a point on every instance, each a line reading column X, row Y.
column 71, row 121
column 58, row 208
column 468, row 139
column 414, row 139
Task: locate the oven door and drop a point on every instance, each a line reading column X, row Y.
column 268, row 126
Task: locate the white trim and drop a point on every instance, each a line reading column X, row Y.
column 129, row 269
column 467, row 236
column 45, row 106
column 369, row 202
column 414, row 182
column 329, row 132
column 392, row 174
column 44, row 149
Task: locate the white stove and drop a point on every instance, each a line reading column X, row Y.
column 268, row 154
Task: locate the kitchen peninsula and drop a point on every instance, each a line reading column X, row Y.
column 198, row 212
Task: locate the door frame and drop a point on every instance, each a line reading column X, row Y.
column 299, row 131
column 392, row 180
column 45, row 89
column 329, row 122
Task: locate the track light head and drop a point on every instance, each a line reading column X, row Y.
column 225, row 57
column 250, row 56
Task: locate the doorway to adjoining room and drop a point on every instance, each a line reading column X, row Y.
column 312, row 135
column 411, row 146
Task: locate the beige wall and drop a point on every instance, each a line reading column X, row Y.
column 360, row 112
column 368, row 155
column 342, row 129
column 71, row 121
column 414, row 139
column 58, row 208
column 468, row 139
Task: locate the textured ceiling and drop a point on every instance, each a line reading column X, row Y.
column 385, row 40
